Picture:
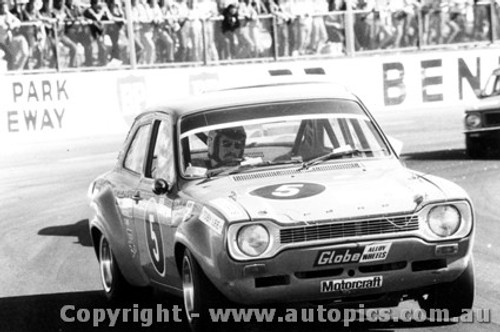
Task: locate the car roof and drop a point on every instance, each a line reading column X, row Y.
column 254, row 94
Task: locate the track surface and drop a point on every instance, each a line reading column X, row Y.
column 47, row 260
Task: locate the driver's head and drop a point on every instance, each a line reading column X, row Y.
column 226, row 146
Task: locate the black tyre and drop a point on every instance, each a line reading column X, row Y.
column 115, row 285
column 475, row 147
column 199, row 295
column 454, row 297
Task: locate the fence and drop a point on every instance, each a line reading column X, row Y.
column 64, row 46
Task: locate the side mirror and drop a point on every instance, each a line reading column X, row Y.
column 160, row 187
column 397, row 145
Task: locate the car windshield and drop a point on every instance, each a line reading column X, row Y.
column 252, row 137
column 492, row 87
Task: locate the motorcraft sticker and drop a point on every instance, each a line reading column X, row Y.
column 364, row 254
column 293, row 190
column 344, row 285
column 211, row 220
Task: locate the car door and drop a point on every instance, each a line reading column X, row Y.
column 153, row 212
column 126, row 178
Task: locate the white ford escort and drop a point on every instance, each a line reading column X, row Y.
column 287, row 193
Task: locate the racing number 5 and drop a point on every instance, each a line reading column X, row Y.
column 155, row 249
column 287, row 190
column 154, row 242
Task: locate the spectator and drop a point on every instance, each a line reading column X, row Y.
column 142, row 17
column 411, row 25
column 383, row 33
column 76, row 29
column 457, row 21
column 434, row 33
column 283, row 20
column 302, row 26
column 181, row 12
column 59, row 14
column 97, row 13
column 18, row 11
column 50, row 47
column 15, row 47
column 35, row 32
column 318, row 30
column 167, row 31
column 119, row 43
column 230, row 23
column 202, row 12
column 335, row 21
column 247, row 34
column 482, row 26
column 18, row 8
column 399, row 16
column 364, row 24
column 403, row 18
column 155, row 17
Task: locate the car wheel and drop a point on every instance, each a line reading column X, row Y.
column 454, row 297
column 475, row 147
column 199, row 295
column 114, row 283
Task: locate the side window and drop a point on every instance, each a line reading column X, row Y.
column 134, row 160
column 162, row 163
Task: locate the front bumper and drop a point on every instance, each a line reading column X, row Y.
column 292, row 277
column 484, row 131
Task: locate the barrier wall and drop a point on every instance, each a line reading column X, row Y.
column 44, row 106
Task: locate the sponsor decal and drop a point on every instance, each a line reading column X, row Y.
column 230, row 209
column 131, row 96
column 289, row 190
column 338, row 256
column 202, row 82
column 370, row 253
column 375, row 252
column 188, row 213
column 211, row 220
column 130, row 236
column 344, row 285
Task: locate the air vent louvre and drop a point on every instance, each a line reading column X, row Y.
column 283, row 172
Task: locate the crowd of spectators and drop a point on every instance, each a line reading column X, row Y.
column 65, row 33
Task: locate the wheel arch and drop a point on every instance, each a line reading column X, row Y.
column 95, row 235
column 178, row 255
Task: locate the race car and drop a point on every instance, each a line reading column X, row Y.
column 327, row 215
column 482, row 120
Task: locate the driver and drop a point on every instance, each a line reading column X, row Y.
column 226, row 146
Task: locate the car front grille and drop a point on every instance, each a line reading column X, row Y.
column 492, row 118
column 337, row 230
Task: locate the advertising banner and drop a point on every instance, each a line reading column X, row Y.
column 81, row 104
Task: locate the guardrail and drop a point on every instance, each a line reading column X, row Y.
column 83, row 44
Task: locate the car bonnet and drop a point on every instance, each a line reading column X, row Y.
column 317, row 194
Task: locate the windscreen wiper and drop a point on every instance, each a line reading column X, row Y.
column 245, row 167
column 342, row 151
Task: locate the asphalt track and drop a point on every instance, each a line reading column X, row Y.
column 47, row 262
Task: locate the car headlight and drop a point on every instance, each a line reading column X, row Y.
column 253, row 240
column 473, row 120
column 443, row 220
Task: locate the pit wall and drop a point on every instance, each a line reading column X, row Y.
column 83, row 104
